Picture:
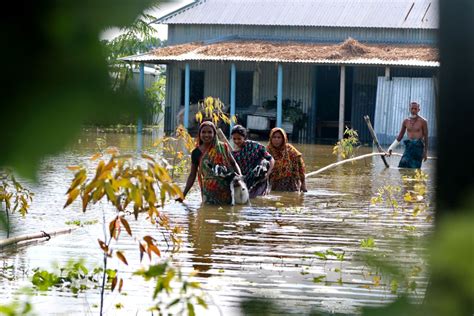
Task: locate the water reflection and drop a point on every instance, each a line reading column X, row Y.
column 263, row 250
column 203, row 226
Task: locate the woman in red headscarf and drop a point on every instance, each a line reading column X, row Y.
column 288, row 174
column 209, row 152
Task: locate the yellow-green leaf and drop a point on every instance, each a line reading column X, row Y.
column 72, row 196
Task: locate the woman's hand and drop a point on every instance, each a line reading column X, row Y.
column 303, row 187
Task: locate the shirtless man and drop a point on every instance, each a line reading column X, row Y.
column 416, row 146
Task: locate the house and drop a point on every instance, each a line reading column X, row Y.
column 337, row 60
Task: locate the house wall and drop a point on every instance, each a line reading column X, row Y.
column 299, row 84
column 184, row 33
column 297, row 80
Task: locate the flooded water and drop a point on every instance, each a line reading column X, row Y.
column 266, row 251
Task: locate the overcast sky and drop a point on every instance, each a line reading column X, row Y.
column 162, row 10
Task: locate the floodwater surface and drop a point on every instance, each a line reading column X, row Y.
column 302, row 252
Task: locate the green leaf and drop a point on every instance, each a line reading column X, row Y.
column 321, row 255
column 201, row 302
column 190, row 309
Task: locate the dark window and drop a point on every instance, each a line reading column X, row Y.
column 196, row 86
column 243, row 89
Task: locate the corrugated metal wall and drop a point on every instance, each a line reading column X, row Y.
column 364, row 92
column 178, row 34
column 296, row 84
column 149, row 79
column 392, row 105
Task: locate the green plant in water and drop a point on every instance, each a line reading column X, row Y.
column 13, row 197
column 16, row 308
column 367, row 243
column 178, row 299
column 81, row 224
column 74, row 277
column 330, row 255
column 347, row 146
column 388, row 195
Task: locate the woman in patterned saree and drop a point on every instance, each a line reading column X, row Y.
column 209, row 152
column 250, row 154
column 289, row 170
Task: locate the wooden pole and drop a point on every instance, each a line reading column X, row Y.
column 375, row 140
column 342, row 94
column 222, row 138
column 17, row 239
column 233, row 84
column 279, row 121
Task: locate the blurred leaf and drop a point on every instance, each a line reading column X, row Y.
column 126, row 225
column 68, row 80
column 114, row 283
column 121, row 257
column 120, row 285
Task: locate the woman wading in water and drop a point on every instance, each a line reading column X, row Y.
column 289, row 171
column 250, row 154
column 208, row 153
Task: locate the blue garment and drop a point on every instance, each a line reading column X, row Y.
column 413, row 154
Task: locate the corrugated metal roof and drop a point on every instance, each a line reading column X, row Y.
column 406, row 14
column 350, row 52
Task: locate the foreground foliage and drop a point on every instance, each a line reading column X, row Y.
column 143, row 187
column 13, row 197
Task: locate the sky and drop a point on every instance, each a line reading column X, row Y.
column 162, row 10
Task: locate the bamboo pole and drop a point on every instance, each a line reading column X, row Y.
column 341, row 163
column 430, row 157
column 48, row 235
column 222, row 138
column 376, row 141
column 350, row 160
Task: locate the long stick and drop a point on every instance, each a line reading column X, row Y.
column 374, row 138
column 400, row 155
column 342, row 162
column 14, row 240
column 222, row 138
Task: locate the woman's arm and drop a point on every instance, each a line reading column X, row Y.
column 232, row 160
column 266, row 155
column 190, row 181
column 235, row 164
column 272, row 164
column 301, row 172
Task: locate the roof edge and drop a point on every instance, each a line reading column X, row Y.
column 178, row 11
column 312, row 25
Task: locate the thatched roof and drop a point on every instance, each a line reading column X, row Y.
column 351, row 51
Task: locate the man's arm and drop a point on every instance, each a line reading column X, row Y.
column 425, row 140
column 398, row 139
